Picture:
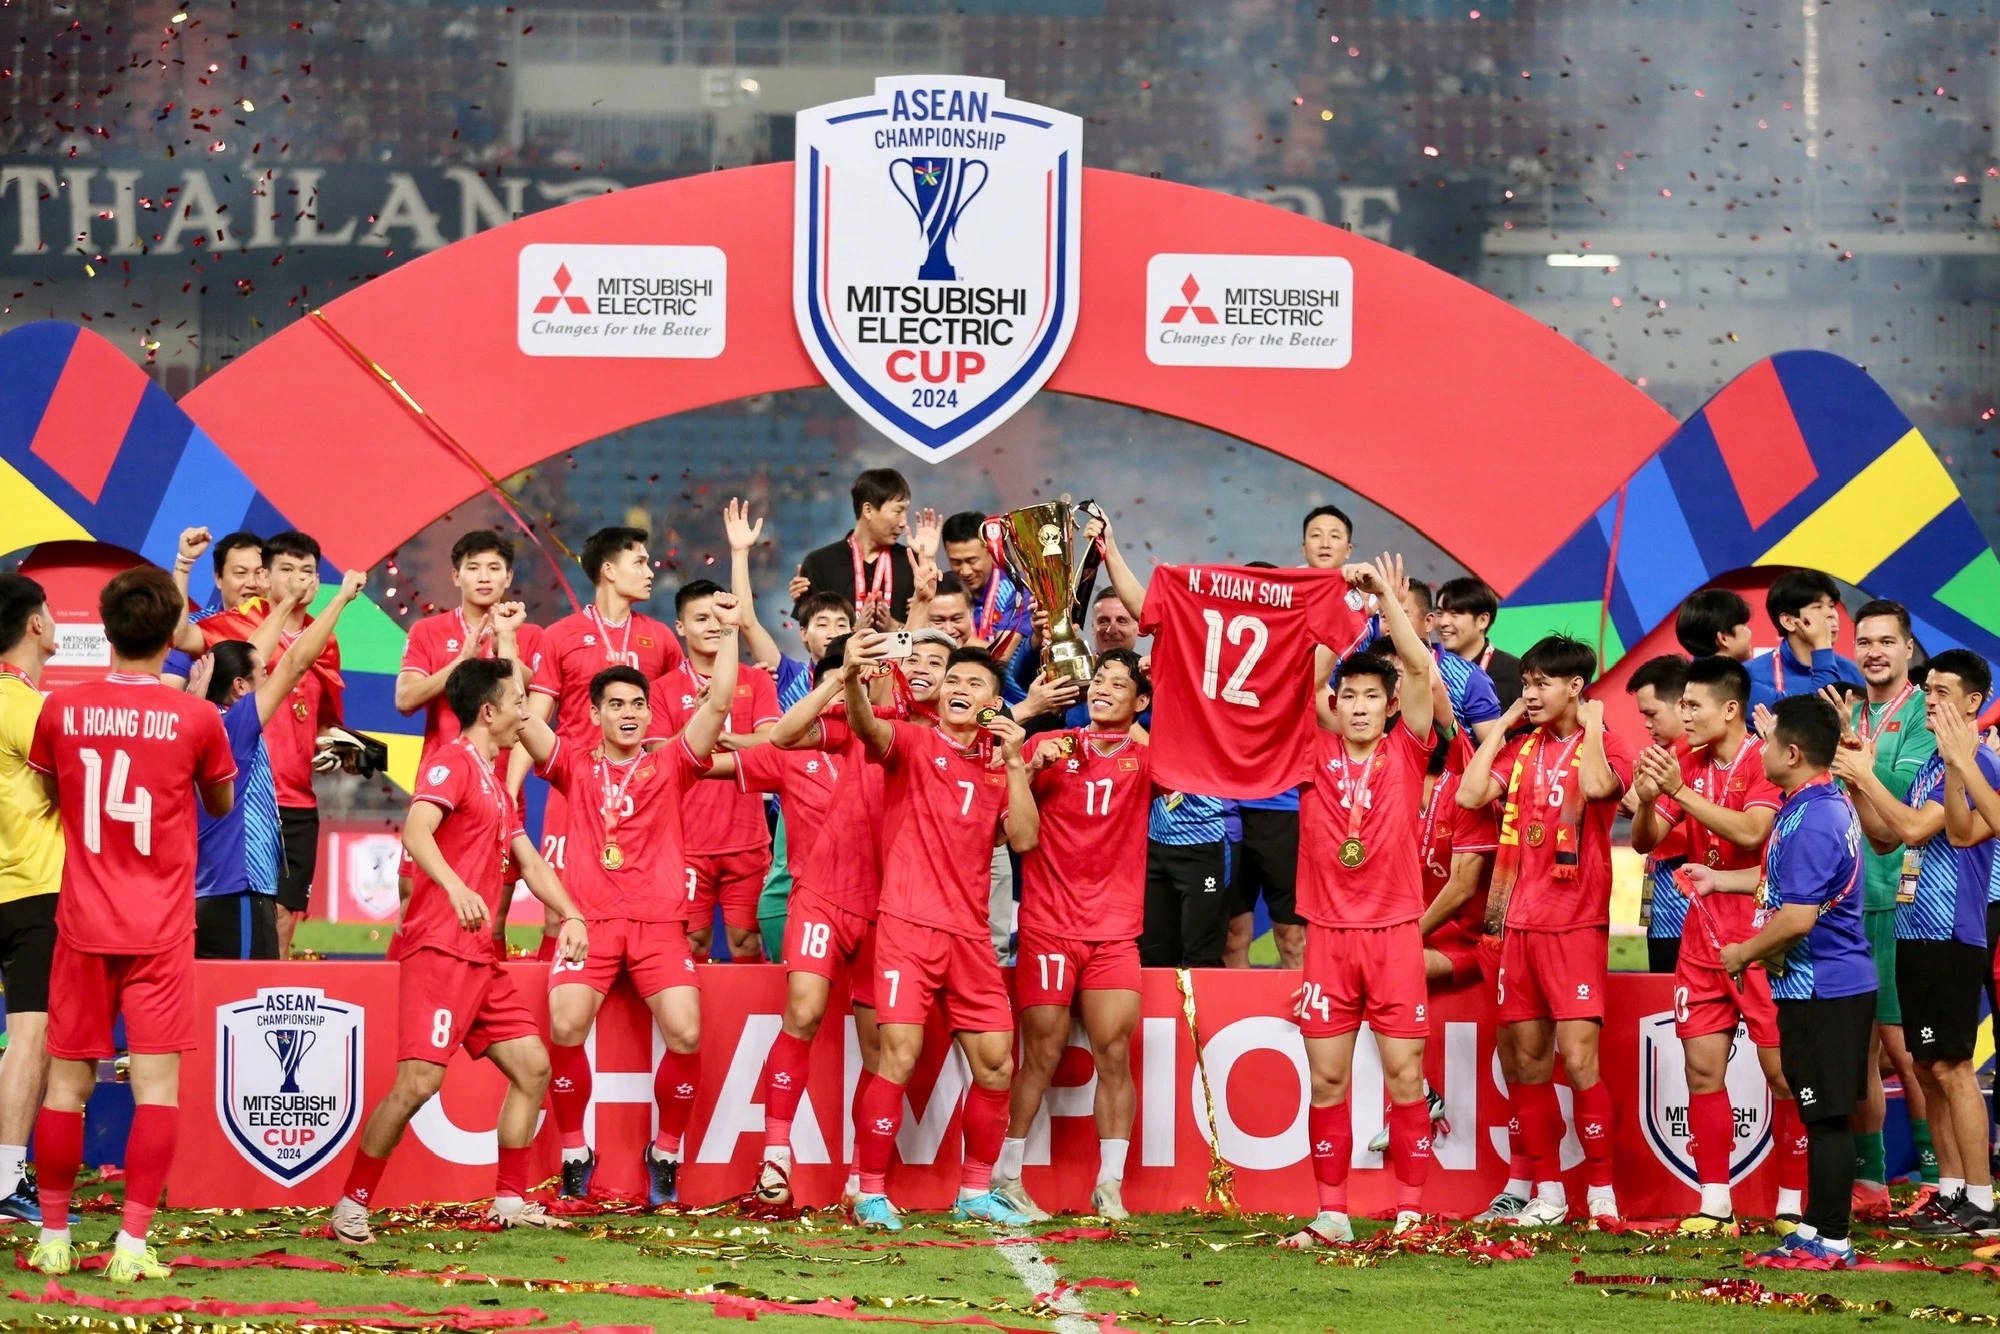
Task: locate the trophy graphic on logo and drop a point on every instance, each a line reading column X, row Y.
column 290, row 1046
column 1036, row 545
column 938, row 192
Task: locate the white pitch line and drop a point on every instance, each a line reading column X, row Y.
column 1038, row 1276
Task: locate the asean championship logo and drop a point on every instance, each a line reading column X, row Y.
column 935, row 265
column 288, row 1078
column 1663, row 1097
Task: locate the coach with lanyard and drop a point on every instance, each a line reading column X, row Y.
column 1809, row 912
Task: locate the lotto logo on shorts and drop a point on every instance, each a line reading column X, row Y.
column 288, row 1078
column 1663, row 1100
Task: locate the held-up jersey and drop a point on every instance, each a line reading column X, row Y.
column 649, row 884
column 1233, row 671
column 1737, row 786
column 128, row 754
column 719, row 817
column 1086, row 877
column 1451, row 830
column 937, row 845
column 434, row 644
column 1386, row 887
column 581, row 645
column 1541, row 902
column 480, row 824
column 805, row 781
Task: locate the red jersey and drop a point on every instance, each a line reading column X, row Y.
column 479, row 825
column 720, row 818
column 1386, row 887
column 844, row 864
column 581, row 645
column 1233, row 672
column 805, row 781
column 1086, row 878
column 1740, row 785
column 128, row 754
column 636, row 805
column 292, row 735
column 937, row 845
column 1541, row 902
column 1445, row 829
column 434, row 644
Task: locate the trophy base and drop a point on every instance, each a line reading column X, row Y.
column 1067, row 662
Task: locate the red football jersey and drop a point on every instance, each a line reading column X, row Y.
column 650, row 882
column 1446, row 829
column 719, row 817
column 579, row 646
column 1386, row 888
column 433, row 645
column 1233, row 672
column 292, row 735
column 128, row 754
column 1740, row 785
column 1539, row 901
column 937, row 844
column 479, row 825
column 844, row 864
column 804, row 780
column 1086, row 878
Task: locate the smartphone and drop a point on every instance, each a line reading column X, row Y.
column 896, row 644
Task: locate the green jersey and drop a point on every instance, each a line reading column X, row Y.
column 1902, row 744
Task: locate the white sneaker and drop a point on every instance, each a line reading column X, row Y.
column 1539, row 1212
column 1326, row 1229
column 1503, row 1209
column 1405, row 1220
column 774, row 1182
column 1106, row 1202
column 1015, row 1196
column 1603, row 1206
column 530, row 1214
column 1380, row 1143
column 349, row 1222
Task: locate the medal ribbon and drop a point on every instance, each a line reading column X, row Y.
column 1867, row 732
column 498, row 792
column 1428, row 829
column 484, row 632
column 620, row 658
column 9, row 669
column 1538, row 795
column 1717, row 784
column 614, row 798
column 883, row 579
column 1357, row 794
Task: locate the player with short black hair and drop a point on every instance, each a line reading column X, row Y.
column 482, row 568
column 869, row 566
column 1002, row 616
column 1466, row 609
column 1655, row 689
column 465, row 836
column 126, row 760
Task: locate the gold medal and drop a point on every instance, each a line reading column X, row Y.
column 986, row 716
column 1066, row 745
column 612, row 857
column 1536, row 833
column 299, row 709
column 1352, row 853
column 1713, row 856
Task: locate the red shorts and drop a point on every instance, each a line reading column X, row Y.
column 1462, row 947
column 1050, row 970
column 1552, row 974
column 87, row 992
column 445, row 1002
column 654, row 953
column 1375, row 974
column 916, row 965
column 832, row 942
column 1706, row 1001
column 735, row 878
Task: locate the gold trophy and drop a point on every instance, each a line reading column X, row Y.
column 1037, row 544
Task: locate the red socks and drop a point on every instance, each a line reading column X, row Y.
column 511, row 1177
column 1332, row 1131
column 363, row 1177
column 854, row 1119
column 546, row 951
column 1789, row 1134
column 879, row 1117
column 569, row 1091
column 674, row 1085
column 58, row 1157
column 1410, row 1150
column 1594, row 1115
column 985, row 1126
column 1712, row 1134
column 1541, row 1129
column 784, row 1084
column 149, row 1153
column 1519, row 1168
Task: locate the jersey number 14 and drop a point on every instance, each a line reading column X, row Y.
column 107, row 801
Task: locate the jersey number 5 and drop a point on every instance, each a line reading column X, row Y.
column 102, row 801
column 1240, row 628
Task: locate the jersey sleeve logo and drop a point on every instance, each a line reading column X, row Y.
column 438, row 773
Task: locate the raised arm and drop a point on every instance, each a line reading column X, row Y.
column 1480, row 786
column 798, row 728
column 743, row 536
column 194, row 541
column 1384, row 578
column 1024, row 817
column 1126, row 584
column 286, row 673
column 711, row 717
column 875, row 733
column 1600, row 782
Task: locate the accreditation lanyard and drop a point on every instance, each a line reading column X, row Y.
column 1869, row 731
column 9, row 669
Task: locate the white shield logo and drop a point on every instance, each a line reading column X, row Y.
column 935, row 253
column 1663, row 1097
column 288, row 1078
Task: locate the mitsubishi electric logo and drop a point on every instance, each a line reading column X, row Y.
column 1202, row 314
column 575, row 304
column 1293, row 312
column 622, row 301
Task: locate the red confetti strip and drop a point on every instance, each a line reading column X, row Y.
column 1860, row 1262
column 1052, row 1238
column 453, row 1317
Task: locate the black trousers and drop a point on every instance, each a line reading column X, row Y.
column 1187, row 905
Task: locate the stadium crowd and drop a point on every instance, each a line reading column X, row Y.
column 921, row 800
